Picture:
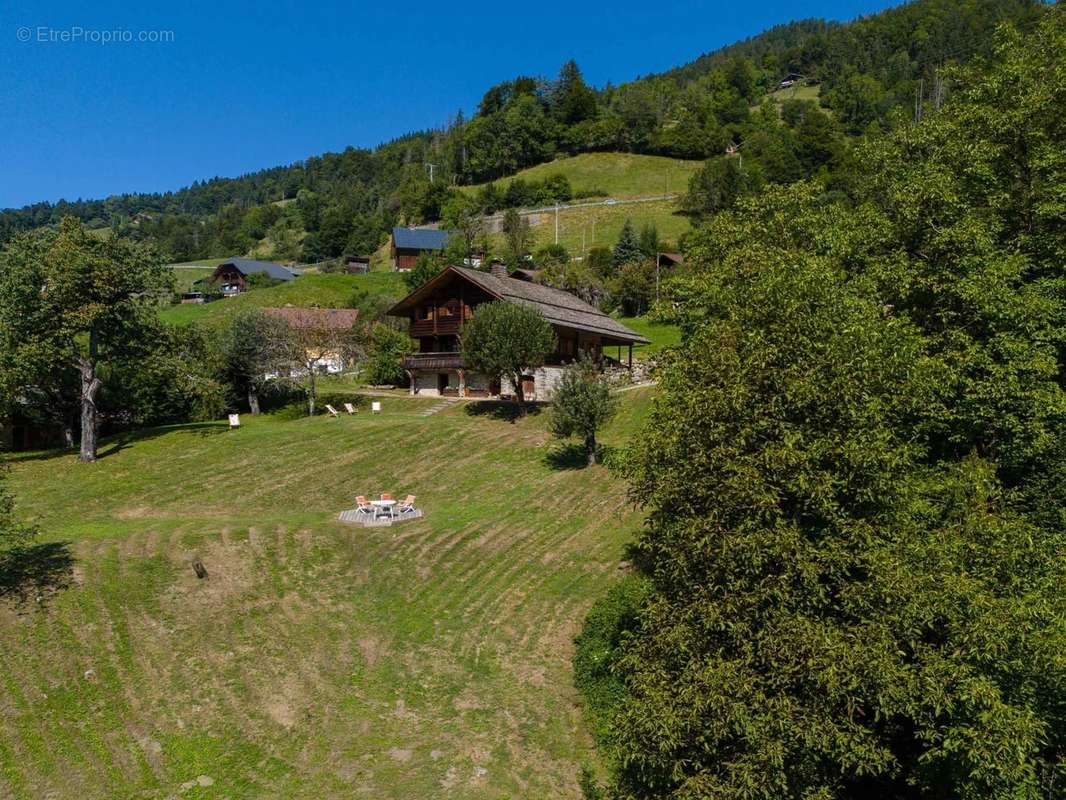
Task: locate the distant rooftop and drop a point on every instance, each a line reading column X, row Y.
column 419, row 238
column 248, row 266
column 338, row 319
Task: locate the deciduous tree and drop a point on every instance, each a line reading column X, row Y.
column 582, row 404
column 506, row 340
column 68, row 298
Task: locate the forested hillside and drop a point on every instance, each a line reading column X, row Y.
column 868, row 73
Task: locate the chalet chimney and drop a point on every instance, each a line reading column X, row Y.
column 498, row 270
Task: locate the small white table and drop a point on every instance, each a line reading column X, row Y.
column 383, row 508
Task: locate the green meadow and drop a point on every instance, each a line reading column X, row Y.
column 316, row 659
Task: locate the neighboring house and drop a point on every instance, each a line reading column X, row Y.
column 439, row 308
column 317, row 329
column 409, row 243
column 232, row 276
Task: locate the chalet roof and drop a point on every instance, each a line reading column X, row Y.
column 526, row 274
column 419, row 238
column 248, row 266
column 674, row 258
column 333, row 318
column 556, row 306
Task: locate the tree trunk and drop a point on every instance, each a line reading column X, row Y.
column 90, row 385
column 253, row 402
column 590, row 448
column 311, row 393
column 519, row 395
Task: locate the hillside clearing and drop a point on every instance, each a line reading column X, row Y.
column 426, row 660
column 616, row 174
column 583, row 228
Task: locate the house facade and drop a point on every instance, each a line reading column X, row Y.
column 231, row 277
column 320, row 331
column 409, row 243
column 440, row 308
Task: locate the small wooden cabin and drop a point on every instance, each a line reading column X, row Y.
column 357, row 265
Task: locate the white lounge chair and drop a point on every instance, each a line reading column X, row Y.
column 234, row 421
column 349, row 408
column 332, row 411
column 407, row 506
column 375, row 407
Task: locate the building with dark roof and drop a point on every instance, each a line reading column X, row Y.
column 409, row 243
column 232, row 276
column 440, row 307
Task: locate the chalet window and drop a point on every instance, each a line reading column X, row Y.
column 425, row 312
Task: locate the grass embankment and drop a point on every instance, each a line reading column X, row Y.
column 661, row 336
column 618, row 176
column 430, row 659
column 615, row 174
column 316, row 289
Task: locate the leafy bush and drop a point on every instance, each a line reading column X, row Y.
column 610, row 621
column 387, row 349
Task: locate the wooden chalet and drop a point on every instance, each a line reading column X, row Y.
column 231, row 277
column 440, row 308
column 409, row 243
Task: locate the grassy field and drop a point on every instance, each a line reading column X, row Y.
column 616, row 174
column 661, row 336
column 580, row 229
column 430, row 659
column 798, row 92
column 326, row 291
column 184, row 277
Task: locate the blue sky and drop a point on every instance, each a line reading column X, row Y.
column 243, row 86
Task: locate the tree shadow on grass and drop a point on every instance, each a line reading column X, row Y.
column 117, row 442
column 35, row 570
column 120, row 441
column 502, row 410
column 571, row 455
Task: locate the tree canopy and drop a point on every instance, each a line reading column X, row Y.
column 506, row 340
column 854, row 481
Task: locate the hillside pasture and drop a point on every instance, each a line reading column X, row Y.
column 313, row 289
column 616, row 174
column 585, row 227
column 429, row 659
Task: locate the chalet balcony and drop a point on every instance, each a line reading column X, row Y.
column 447, row 326
column 432, row 361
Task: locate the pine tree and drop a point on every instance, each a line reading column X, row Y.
column 627, row 250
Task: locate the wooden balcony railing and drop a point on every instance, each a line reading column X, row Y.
column 442, row 327
column 433, row 361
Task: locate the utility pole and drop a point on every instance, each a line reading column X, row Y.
column 938, row 89
column 557, row 222
column 657, row 261
column 431, row 168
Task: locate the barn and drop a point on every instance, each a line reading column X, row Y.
column 409, row 243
